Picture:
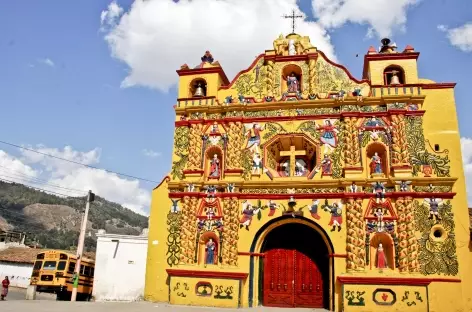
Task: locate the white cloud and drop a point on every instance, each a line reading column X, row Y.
column 382, row 16
column 155, row 37
column 151, row 153
column 47, row 61
column 460, row 37
column 70, row 179
column 466, row 144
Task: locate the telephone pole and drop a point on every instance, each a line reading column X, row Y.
column 80, row 245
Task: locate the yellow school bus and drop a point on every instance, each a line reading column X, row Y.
column 53, row 272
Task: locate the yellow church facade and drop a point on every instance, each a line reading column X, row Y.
column 298, row 185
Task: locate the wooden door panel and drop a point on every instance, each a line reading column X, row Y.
column 278, row 278
column 308, row 290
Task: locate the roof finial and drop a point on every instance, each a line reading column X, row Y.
column 293, row 17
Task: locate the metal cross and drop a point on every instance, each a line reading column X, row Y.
column 293, row 17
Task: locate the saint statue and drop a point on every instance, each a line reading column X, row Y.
column 210, row 248
column 293, row 83
column 379, row 214
column 381, row 259
column 215, row 167
column 291, row 47
column 326, row 166
column 254, row 138
column 376, row 164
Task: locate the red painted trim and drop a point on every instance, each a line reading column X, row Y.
column 337, row 256
column 196, row 98
column 206, row 274
column 344, row 68
column 192, row 171
column 252, row 254
column 394, row 280
column 442, row 85
column 201, row 71
column 234, row 171
column 230, row 84
column 182, row 123
column 314, row 195
column 166, row 179
column 401, row 167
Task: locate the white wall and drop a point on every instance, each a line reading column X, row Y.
column 18, row 273
column 120, row 267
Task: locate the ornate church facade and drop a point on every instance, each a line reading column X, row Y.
column 297, row 185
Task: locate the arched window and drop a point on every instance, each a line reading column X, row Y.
column 198, row 88
column 393, row 75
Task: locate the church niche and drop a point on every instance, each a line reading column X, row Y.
column 198, row 88
column 382, row 251
column 377, row 160
column 214, row 163
column 292, row 79
column 291, row 156
column 208, row 249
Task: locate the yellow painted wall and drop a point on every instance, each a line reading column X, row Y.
column 440, row 127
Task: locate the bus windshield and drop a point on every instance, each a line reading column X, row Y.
column 49, row 265
column 37, row 265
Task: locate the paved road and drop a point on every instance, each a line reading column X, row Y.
column 60, row 306
column 20, row 294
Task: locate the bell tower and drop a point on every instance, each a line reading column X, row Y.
column 388, row 67
column 202, row 81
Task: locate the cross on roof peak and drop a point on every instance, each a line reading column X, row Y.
column 293, row 17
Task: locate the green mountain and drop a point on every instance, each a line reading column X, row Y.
column 53, row 222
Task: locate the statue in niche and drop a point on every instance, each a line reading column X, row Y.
column 256, row 164
column 329, row 136
column 210, row 213
column 379, row 214
column 291, row 47
column 293, row 85
column 215, row 167
column 214, row 128
column 326, row 165
column 353, row 188
column 376, row 164
column 381, row 258
column 300, row 167
column 210, row 248
column 285, row 166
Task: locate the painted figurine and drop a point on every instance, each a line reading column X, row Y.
column 190, row 187
column 329, row 136
column 210, row 248
column 291, row 47
column 293, row 83
column 353, row 188
column 211, row 191
column 256, row 164
column 215, row 167
column 214, row 128
column 200, row 224
column 379, row 191
column 336, row 215
column 254, row 135
column 210, row 213
column 434, row 204
column 381, row 259
column 358, row 94
column 314, row 209
column 372, row 122
column 379, row 214
column 219, row 224
column 207, row 58
column 376, row 164
column 326, row 165
column 272, row 207
column 174, row 208
column 404, row 186
column 231, row 188
column 228, row 99
column 248, row 212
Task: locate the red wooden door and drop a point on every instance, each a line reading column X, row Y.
column 291, row 279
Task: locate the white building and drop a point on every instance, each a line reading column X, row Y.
column 120, row 267
column 17, row 264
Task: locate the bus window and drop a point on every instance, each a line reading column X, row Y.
column 49, row 265
column 38, row 265
column 92, row 272
column 86, row 270
column 61, row 266
column 71, row 268
column 82, row 270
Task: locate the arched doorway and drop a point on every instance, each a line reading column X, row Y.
column 296, row 267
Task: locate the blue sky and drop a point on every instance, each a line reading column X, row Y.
column 61, row 86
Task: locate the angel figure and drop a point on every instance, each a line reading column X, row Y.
column 379, row 191
column 314, row 209
column 174, row 208
column 248, row 212
column 336, row 214
column 404, row 185
column 434, row 204
column 210, row 190
column 253, row 132
column 329, row 136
